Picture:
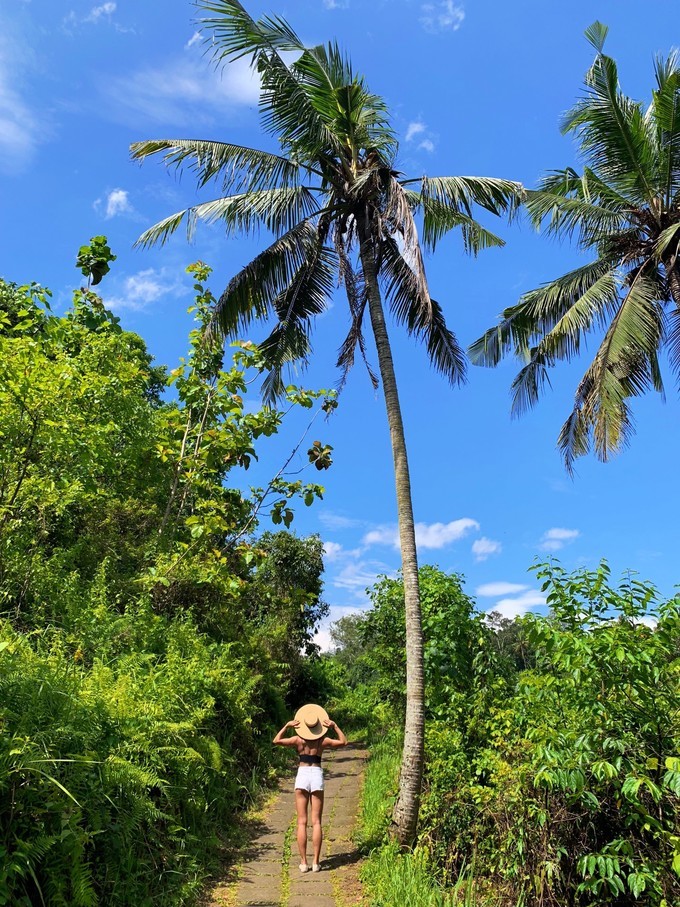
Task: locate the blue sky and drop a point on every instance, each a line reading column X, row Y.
column 475, row 87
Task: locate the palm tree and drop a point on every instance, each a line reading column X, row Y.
column 625, row 210
column 338, row 211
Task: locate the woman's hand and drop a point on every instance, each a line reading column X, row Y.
column 340, row 740
column 280, row 740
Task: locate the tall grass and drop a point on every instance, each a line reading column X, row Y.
column 391, row 877
column 407, row 879
column 379, row 793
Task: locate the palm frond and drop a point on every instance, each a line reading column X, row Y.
column 614, row 133
column 440, row 219
column 625, row 366
column 566, row 215
column 277, row 210
column 563, row 341
column 666, row 239
column 573, row 440
column 596, row 34
column 539, row 311
column 160, row 233
column 423, row 317
column 398, row 220
column 665, row 114
column 250, row 293
column 236, row 34
column 238, row 166
column 460, row 193
column 303, row 299
column 673, row 341
column 357, row 299
column 285, row 106
column 341, row 98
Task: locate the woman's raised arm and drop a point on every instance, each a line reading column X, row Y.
column 341, row 741
column 280, row 740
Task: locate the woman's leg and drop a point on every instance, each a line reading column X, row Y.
column 317, row 831
column 301, row 803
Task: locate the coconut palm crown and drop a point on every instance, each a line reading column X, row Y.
column 624, row 208
column 338, row 213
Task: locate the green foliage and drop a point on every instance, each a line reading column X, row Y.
column 553, row 770
column 93, row 260
column 144, row 661
column 453, row 637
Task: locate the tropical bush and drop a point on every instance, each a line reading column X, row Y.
column 553, row 757
column 149, row 638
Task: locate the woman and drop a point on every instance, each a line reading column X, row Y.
column 312, row 725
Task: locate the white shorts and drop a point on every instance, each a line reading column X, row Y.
column 309, row 778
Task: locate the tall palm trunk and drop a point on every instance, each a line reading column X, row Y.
column 405, row 816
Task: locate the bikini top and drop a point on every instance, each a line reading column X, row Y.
column 309, row 759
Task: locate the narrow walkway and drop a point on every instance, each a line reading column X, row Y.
column 270, row 877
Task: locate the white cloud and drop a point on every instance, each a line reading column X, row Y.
column 444, row 16
column 102, row 13
column 323, row 639
column 338, row 521
column 336, row 4
column 323, row 635
column 20, row 129
column 417, row 128
column 649, row 620
column 428, row 535
column 499, row 588
column 413, row 129
column 185, row 92
column 142, row 289
column 194, row 39
column 117, row 202
column 332, row 550
column 357, row 576
column 520, row 604
column 557, row 538
column 96, row 13
column 483, row 548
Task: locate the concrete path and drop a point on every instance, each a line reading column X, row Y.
column 269, row 875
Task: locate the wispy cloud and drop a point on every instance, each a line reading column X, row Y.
column 492, row 590
column 194, row 39
column 336, row 4
column 106, row 10
column 96, row 15
column 557, row 538
column 428, row 535
column 332, row 550
column 141, row 290
column 358, row 576
column 416, row 129
column 519, row 604
column 115, row 203
column 444, row 16
column 333, row 520
column 413, row 129
column 184, row 92
column 21, row 128
column 484, row 548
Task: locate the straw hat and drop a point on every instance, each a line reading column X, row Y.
column 311, row 718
